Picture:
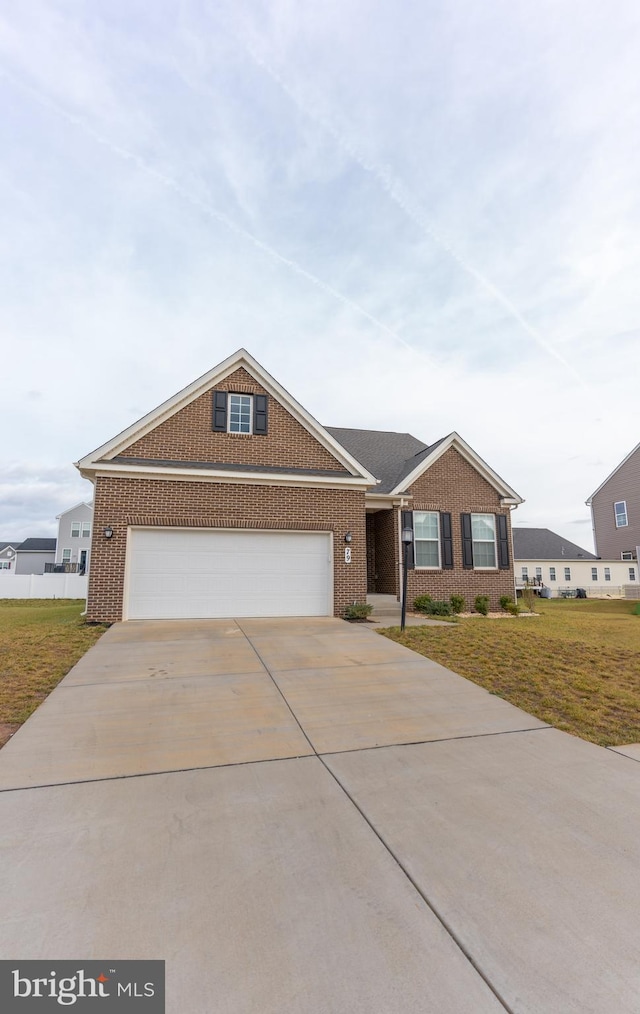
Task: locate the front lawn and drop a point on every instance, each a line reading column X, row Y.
column 40, row 640
column 575, row 666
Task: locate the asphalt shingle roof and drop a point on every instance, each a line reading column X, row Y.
column 38, row 546
column 543, row 544
column 391, row 457
column 14, row 544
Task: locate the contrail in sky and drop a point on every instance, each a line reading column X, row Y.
column 401, row 196
column 208, row 209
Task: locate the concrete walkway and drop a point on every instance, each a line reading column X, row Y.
column 300, row 816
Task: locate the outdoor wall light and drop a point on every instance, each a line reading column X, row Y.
column 108, row 532
column 348, row 537
column 407, row 536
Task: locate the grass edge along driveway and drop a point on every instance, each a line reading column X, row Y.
column 40, row 641
column 575, row 666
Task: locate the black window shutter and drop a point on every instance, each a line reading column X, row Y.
column 406, row 521
column 467, row 542
column 260, row 414
column 446, row 541
column 219, row 419
column 503, row 542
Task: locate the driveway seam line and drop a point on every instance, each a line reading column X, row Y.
column 427, row 742
column 156, row 774
column 448, row 929
column 443, row 922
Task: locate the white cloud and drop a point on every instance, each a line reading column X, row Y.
column 364, row 196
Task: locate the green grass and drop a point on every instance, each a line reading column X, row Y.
column 576, row 665
column 40, row 640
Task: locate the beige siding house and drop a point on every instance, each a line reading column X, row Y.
column 615, row 511
column 544, row 559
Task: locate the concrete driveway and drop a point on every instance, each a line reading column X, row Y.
column 300, row 816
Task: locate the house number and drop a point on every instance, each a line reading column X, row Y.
column 347, row 554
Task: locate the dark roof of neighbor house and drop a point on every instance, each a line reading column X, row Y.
column 37, row 546
column 11, row 544
column 543, row 544
column 391, row 457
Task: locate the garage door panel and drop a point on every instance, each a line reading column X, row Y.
column 193, row 573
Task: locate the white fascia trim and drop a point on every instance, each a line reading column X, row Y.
column 616, row 469
column 382, row 498
column 188, row 394
column 507, row 494
column 211, row 475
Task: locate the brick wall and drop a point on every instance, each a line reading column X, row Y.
column 386, row 549
column 452, row 484
column 187, row 436
column 121, row 502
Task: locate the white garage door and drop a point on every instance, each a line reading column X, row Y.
column 191, row 573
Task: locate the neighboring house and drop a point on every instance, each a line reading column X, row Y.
column 33, row 555
column 8, row 556
column 615, row 511
column 230, row 500
column 73, row 547
column 544, row 559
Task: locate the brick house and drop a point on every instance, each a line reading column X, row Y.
column 229, row 499
column 615, row 511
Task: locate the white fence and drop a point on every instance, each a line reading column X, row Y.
column 43, row 586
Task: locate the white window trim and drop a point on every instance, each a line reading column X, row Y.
column 484, row 514
column 620, row 524
column 436, row 540
column 607, row 573
column 565, row 573
column 87, row 534
column 76, row 535
column 552, row 573
column 594, row 573
column 241, row 433
column 632, row 573
column 64, row 559
column 626, row 554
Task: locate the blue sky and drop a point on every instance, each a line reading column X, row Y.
column 416, row 217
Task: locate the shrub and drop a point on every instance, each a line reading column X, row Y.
column 438, row 609
column 420, row 604
column 357, row 611
column 513, row 608
column 504, row 601
column 481, row 604
column 457, row 604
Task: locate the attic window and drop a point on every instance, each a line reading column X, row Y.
column 240, row 410
column 239, row 413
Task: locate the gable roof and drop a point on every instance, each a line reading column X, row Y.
column 37, row 546
column 388, row 455
column 83, row 503
column 9, row 545
column 611, row 475
column 543, row 544
column 106, row 454
column 398, row 459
